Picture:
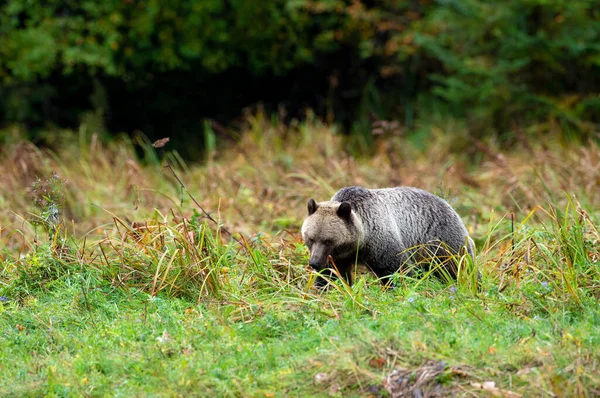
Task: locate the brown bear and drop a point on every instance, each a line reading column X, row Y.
column 384, row 229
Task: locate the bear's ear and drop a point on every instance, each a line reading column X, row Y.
column 344, row 210
column 312, row 206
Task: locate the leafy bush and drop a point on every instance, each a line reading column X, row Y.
column 152, row 64
column 517, row 60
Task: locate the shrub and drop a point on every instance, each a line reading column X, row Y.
column 151, row 65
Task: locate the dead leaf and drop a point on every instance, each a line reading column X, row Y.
column 460, row 370
column 161, row 143
column 377, row 363
column 419, row 346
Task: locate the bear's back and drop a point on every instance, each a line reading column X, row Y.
column 398, row 199
column 416, row 215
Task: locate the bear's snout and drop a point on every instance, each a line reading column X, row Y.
column 315, row 264
column 318, row 257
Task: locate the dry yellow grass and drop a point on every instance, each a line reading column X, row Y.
column 261, row 184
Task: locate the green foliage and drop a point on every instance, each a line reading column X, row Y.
column 51, row 259
column 127, row 38
column 496, row 64
column 39, row 270
column 513, row 61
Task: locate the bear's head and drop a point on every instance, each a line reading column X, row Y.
column 331, row 229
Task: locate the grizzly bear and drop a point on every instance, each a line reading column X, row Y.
column 384, row 229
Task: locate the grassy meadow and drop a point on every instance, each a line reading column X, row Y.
column 114, row 282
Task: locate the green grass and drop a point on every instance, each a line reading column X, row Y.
column 85, row 337
column 136, row 293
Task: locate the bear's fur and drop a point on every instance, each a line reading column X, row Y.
column 383, row 229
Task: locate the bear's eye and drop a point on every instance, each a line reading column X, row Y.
column 327, row 242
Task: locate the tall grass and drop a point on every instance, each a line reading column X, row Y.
column 127, row 225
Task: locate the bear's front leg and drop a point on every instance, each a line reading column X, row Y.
column 344, row 267
column 385, row 265
column 322, row 281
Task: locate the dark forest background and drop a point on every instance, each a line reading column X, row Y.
column 176, row 68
